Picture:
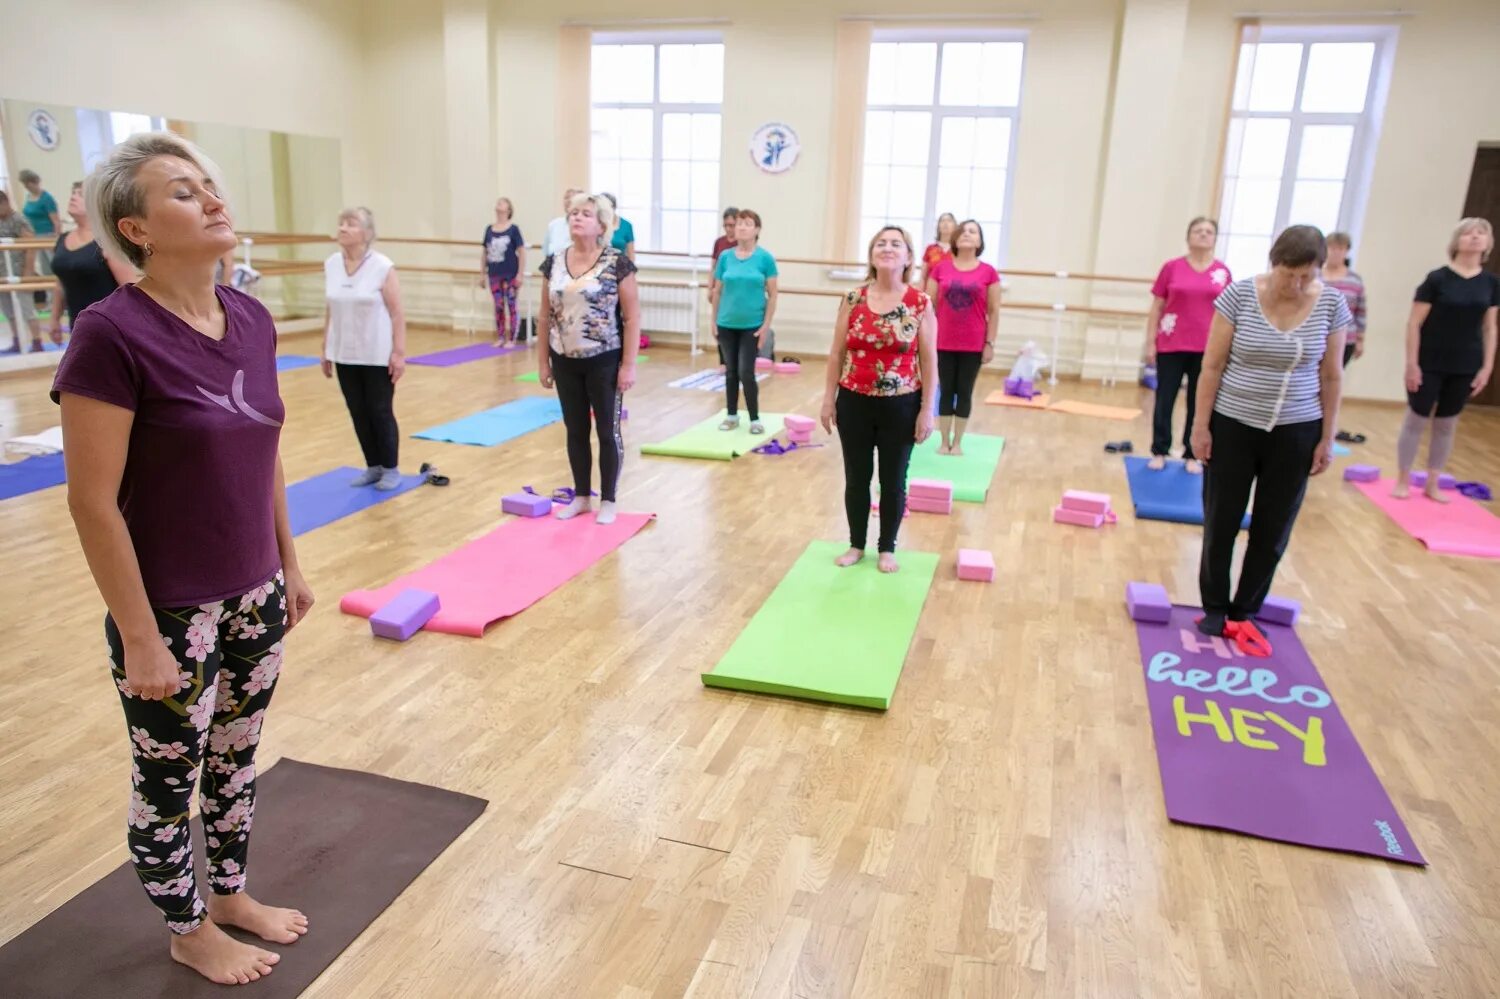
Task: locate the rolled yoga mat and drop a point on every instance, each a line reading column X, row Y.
column 340, row 845
column 831, row 634
column 291, row 362
column 970, row 472
column 322, row 499
column 1460, row 527
column 706, row 440
column 30, row 474
column 505, row 571
column 463, row 355
column 1257, row 746
column 1171, row 494
column 498, row 425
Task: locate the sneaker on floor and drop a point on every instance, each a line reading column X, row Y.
column 390, row 480
column 369, row 476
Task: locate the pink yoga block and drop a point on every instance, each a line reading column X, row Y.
column 526, row 505
column 764, row 364
column 922, row 505
column 799, row 436
column 1077, row 499
column 976, row 564
column 1279, row 610
column 1445, row 481
column 935, row 489
column 404, row 615
column 1148, row 602
column 1361, row 473
column 1062, row 515
column 804, row 424
column 787, row 367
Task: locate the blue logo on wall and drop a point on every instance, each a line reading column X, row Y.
column 775, row 147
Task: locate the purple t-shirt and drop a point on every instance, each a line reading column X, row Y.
column 1187, row 310
column 198, row 485
column 963, row 304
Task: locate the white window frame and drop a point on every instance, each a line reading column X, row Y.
column 659, row 109
column 1366, row 123
column 940, row 111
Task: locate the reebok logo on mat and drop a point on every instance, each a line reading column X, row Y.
column 1392, row 846
column 238, row 389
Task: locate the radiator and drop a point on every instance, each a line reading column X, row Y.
column 669, row 308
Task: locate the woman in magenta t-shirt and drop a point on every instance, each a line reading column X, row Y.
column 171, row 425
column 1182, row 310
column 965, row 292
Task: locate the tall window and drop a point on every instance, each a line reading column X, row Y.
column 940, row 133
column 1306, row 113
column 655, row 124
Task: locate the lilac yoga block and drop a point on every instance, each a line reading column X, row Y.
column 404, row 615
column 1280, row 610
column 526, row 504
column 1148, row 602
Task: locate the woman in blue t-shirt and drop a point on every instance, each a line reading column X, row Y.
column 743, row 296
column 504, row 263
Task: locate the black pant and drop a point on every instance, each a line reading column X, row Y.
column 1348, row 352
column 584, row 384
column 371, row 397
column 868, row 423
column 1276, row 463
column 1441, row 394
column 957, row 371
column 1170, row 369
column 738, row 348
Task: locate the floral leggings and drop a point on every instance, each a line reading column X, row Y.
column 504, row 292
column 228, row 654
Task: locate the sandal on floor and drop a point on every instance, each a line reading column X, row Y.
column 432, row 476
column 757, row 427
column 1119, row 447
column 730, row 423
column 1348, row 438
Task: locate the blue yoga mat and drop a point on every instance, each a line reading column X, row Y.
column 325, row 498
column 1170, row 494
column 291, row 362
column 22, row 477
column 498, row 425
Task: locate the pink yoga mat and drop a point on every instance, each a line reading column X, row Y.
column 1461, row 527
column 506, row 571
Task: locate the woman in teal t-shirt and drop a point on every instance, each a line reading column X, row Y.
column 743, row 296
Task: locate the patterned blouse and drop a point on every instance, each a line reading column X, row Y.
column 882, row 350
column 585, row 307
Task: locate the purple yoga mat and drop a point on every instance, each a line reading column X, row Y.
column 463, row 355
column 1240, row 766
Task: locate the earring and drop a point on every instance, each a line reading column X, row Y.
column 147, row 249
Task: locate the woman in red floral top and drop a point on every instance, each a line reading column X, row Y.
column 882, row 375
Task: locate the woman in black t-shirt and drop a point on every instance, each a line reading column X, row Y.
column 83, row 274
column 1450, row 350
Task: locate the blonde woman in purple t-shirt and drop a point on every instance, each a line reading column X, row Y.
column 171, row 425
column 1182, row 311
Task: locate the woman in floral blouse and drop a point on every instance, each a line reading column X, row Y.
column 882, row 373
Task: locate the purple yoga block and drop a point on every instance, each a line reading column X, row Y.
column 1361, row 473
column 526, row 505
column 404, row 615
column 1148, row 602
column 1445, row 481
column 1279, row 610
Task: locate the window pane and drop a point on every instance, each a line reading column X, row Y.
column 953, row 191
column 631, row 75
column 960, row 83
column 676, row 136
column 992, row 142
column 678, row 81
column 1316, row 202
column 602, row 72
column 645, row 231
column 706, row 137
column 878, row 128
column 634, row 131
column 703, row 230
column 908, row 195
column 1273, row 77
column 635, row 185
column 605, row 175
column 1246, row 255
column 956, row 147
column 605, row 138
column 911, row 137
column 708, row 62
column 1263, row 150
column 881, row 88
column 991, row 231
column 676, row 181
column 1325, row 152
column 705, row 186
column 988, row 197
column 675, row 234
column 868, row 226
column 1226, row 204
column 1000, row 74
column 916, row 72
column 1338, row 76
column 876, row 194
column 1254, row 208
column 1242, row 77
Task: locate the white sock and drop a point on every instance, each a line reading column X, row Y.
column 606, row 514
column 579, row 505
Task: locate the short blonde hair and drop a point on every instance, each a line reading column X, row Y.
column 910, row 253
column 113, row 195
column 364, row 217
column 603, row 211
column 1469, row 225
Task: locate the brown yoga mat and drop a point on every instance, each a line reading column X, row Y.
column 340, row 845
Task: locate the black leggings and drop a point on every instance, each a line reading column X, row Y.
column 1276, row 464
column 228, row 656
column 738, row 349
column 1441, row 394
column 1171, row 367
column 584, row 384
column 957, row 372
column 867, row 423
column 371, row 399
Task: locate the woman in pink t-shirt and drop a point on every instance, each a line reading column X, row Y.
column 1182, row 310
column 965, row 292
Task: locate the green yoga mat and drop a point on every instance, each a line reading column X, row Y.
column 831, row 634
column 706, row 440
column 532, row 376
column 969, row 472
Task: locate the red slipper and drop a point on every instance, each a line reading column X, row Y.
column 1248, row 638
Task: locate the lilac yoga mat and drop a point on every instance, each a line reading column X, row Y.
column 463, row 355
column 1257, row 745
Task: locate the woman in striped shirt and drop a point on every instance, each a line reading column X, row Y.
column 1267, row 402
column 1338, row 276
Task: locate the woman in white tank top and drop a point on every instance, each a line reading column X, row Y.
column 364, row 340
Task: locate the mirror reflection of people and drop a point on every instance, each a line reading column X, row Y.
column 41, row 214
column 82, row 273
column 18, row 308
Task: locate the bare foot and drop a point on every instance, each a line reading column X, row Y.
column 1194, row 466
column 1157, row 462
column 271, row 924
column 956, row 449
column 1402, row 489
column 1434, row 493
column 221, row 958
column 945, row 449
column 849, row 557
column 888, row 562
